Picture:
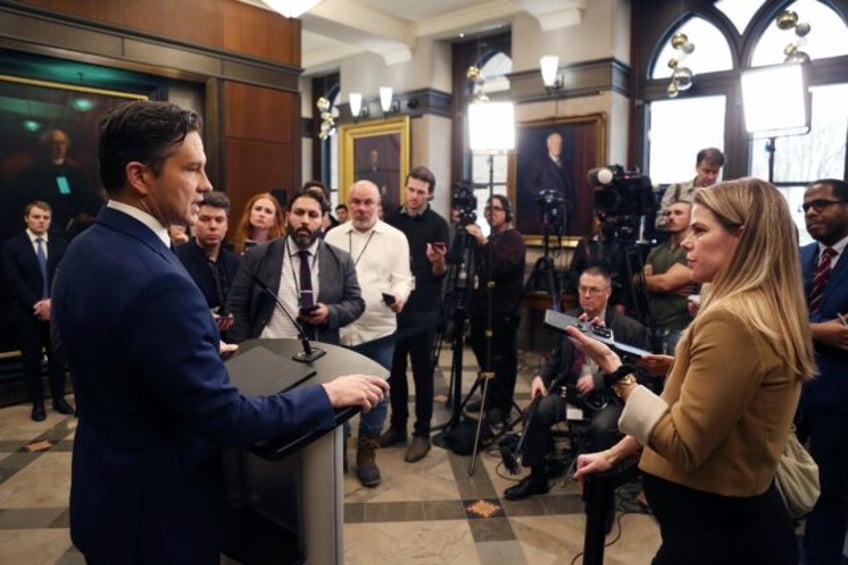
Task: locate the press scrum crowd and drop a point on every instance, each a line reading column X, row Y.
column 707, row 413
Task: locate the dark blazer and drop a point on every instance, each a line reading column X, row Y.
column 22, row 274
column 193, row 258
column 154, row 400
column 829, row 390
column 252, row 307
column 625, row 330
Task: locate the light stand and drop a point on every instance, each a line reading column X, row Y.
column 776, row 102
column 491, row 127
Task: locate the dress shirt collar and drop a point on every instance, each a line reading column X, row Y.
column 839, row 247
column 152, row 223
column 405, row 210
column 32, row 236
column 293, row 249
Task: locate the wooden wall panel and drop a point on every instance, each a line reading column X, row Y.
column 252, row 167
column 221, row 24
column 261, row 113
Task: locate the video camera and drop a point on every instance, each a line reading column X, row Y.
column 622, row 198
column 551, row 205
column 464, row 202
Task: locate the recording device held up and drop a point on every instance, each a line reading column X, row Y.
column 623, row 198
column 464, row 202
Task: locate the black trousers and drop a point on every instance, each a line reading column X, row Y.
column 417, row 335
column 704, row 528
column 504, row 354
column 33, row 335
column 602, row 433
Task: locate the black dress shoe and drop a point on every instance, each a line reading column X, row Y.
column 526, row 488
column 61, row 406
column 39, row 414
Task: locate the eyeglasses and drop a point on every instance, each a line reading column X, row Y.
column 819, row 205
column 591, row 290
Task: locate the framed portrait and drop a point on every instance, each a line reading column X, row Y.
column 48, row 148
column 377, row 151
column 546, row 176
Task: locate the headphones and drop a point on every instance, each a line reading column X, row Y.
column 507, row 206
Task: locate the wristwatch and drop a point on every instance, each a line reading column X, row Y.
column 622, row 383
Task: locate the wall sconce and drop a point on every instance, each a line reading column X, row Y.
column 356, row 108
column 549, row 64
column 387, row 104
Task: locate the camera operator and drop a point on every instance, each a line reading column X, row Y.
column 500, row 260
column 573, row 370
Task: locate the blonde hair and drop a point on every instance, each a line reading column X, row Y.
column 761, row 283
column 244, row 231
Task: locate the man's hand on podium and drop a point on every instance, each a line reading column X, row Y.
column 356, row 390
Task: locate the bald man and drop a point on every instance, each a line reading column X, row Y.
column 381, row 257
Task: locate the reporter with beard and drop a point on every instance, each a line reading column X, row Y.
column 711, row 442
column 283, row 264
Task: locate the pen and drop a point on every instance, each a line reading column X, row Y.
column 842, row 319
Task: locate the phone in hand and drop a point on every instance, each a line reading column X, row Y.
column 389, row 299
column 307, row 310
column 440, row 246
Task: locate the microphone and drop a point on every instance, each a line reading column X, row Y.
column 309, row 353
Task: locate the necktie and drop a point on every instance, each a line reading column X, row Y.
column 820, row 279
column 306, row 299
column 42, row 265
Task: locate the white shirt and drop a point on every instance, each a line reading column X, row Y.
column 381, row 258
column 279, row 326
column 839, row 247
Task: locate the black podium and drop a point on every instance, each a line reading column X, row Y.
column 287, row 494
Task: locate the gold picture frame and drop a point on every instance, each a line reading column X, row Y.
column 378, row 151
column 584, row 147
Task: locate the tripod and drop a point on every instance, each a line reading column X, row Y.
column 544, row 272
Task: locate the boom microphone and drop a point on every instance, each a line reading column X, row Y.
column 309, row 353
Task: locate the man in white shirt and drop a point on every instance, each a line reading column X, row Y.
column 381, row 257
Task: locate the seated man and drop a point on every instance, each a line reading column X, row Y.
column 568, row 367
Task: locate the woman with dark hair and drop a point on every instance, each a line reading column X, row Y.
column 710, row 444
column 261, row 221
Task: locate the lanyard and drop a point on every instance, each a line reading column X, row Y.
column 364, row 247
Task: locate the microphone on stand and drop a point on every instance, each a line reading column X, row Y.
column 309, row 353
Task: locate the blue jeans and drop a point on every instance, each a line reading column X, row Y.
column 667, row 340
column 371, row 422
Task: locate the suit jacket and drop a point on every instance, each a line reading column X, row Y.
column 23, row 275
column 625, row 330
column 828, row 391
column 252, row 307
column 154, row 400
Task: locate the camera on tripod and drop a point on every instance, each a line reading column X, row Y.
column 464, row 202
column 622, row 197
column 551, row 205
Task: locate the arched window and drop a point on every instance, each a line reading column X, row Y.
column 731, row 36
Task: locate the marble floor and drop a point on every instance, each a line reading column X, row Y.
column 429, row 512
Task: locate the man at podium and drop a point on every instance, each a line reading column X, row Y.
column 154, row 400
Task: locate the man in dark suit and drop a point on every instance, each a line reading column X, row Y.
column 824, row 400
column 550, row 173
column 212, row 266
column 279, row 264
column 29, row 264
column 154, row 399
column 579, row 374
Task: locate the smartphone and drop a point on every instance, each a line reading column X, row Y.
column 440, row 245
column 389, row 299
column 307, row 310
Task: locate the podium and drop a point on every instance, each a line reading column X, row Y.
column 287, row 493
